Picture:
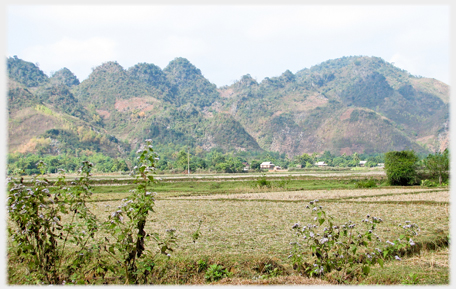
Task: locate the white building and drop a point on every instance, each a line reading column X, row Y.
column 267, row 165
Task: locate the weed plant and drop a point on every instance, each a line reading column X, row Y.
column 40, row 239
column 47, row 218
column 216, row 272
column 342, row 251
column 127, row 224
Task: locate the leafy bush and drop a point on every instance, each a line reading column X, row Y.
column 216, row 272
column 371, row 183
column 39, row 237
column 127, row 224
column 343, row 251
column 428, row 183
column 53, row 231
column 438, row 165
column 263, row 182
column 401, row 167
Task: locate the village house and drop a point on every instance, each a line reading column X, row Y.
column 362, row 163
column 267, row 165
column 321, row 164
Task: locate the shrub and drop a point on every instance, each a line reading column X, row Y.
column 263, row 182
column 428, row 183
column 401, row 167
column 438, row 165
column 39, row 237
column 343, row 251
column 126, row 226
column 366, row 184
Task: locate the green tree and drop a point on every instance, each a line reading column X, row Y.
column 438, row 165
column 401, row 167
column 255, row 165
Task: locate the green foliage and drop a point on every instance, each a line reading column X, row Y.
column 401, row 167
column 263, row 182
column 65, row 77
column 197, row 233
column 202, row 265
column 20, row 96
column 368, row 92
column 428, row 183
column 25, row 72
column 342, row 251
column 411, row 280
column 40, row 236
column 61, row 98
column 438, row 165
column 127, row 225
column 371, row 183
column 107, row 83
column 189, row 84
column 272, row 111
column 216, row 272
column 26, row 164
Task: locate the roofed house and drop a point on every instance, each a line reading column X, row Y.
column 267, row 165
column 362, row 163
column 321, row 164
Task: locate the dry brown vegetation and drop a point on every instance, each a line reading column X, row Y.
column 309, row 195
column 262, row 227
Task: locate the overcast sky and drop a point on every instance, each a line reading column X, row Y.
column 226, row 42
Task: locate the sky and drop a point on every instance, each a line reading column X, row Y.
column 228, row 41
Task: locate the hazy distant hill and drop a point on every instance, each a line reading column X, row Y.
column 346, row 105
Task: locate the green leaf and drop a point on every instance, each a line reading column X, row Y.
column 380, row 261
column 366, row 270
column 321, row 221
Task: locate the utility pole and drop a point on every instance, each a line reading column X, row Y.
column 188, row 160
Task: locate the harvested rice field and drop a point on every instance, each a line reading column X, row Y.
column 432, row 196
column 310, row 194
column 260, row 223
column 244, row 228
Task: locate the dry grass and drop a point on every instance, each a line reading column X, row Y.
column 430, row 259
column 281, row 280
column 308, row 195
column 443, row 196
column 264, row 228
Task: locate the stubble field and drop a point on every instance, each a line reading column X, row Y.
column 243, row 229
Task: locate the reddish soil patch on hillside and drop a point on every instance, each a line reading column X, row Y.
column 346, row 114
column 141, row 104
column 28, row 124
column 347, row 151
column 226, row 93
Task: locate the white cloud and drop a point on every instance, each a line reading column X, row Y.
column 77, row 55
column 175, row 46
column 229, row 40
column 87, row 15
column 406, row 62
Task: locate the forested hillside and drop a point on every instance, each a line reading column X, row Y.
column 349, row 105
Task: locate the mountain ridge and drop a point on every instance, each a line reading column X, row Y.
column 350, row 104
